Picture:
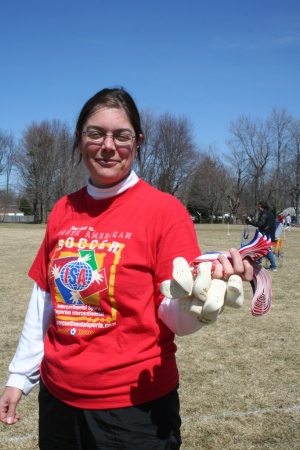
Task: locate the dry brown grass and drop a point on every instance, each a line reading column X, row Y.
column 240, row 382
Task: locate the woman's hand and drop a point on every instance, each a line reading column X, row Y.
column 8, row 404
column 225, row 267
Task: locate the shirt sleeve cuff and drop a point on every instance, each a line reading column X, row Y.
column 22, row 382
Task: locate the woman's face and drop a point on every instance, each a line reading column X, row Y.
column 107, row 162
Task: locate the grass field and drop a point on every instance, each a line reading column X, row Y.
column 240, row 378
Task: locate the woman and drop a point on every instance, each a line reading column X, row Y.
column 98, row 335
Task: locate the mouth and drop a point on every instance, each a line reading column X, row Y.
column 107, row 162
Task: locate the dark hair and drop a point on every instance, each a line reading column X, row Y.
column 109, row 98
column 264, row 205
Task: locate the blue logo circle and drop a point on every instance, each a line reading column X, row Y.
column 76, row 275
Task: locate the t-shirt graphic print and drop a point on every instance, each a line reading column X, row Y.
column 82, row 288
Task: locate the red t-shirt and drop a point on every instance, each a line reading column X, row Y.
column 103, row 262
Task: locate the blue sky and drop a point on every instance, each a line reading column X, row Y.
column 208, row 60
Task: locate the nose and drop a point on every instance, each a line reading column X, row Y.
column 108, row 142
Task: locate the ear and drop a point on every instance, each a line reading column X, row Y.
column 140, row 140
column 138, row 143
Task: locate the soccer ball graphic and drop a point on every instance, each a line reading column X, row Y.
column 76, row 275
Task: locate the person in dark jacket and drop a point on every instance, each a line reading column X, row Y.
column 266, row 225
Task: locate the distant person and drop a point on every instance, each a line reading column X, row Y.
column 288, row 221
column 266, row 225
column 293, row 221
column 98, row 335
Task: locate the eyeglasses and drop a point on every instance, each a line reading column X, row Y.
column 99, row 137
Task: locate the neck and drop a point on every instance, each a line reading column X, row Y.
column 112, row 191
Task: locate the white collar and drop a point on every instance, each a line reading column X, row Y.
column 103, row 193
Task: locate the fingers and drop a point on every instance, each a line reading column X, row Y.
column 237, row 261
column 219, row 271
column 8, row 404
column 248, row 271
column 225, row 267
column 241, row 266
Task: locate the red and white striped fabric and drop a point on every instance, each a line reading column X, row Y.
column 262, row 282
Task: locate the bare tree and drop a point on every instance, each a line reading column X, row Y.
column 68, row 176
column 44, row 164
column 237, row 162
column 252, row 137
column 147, row 166
column 208, row 187
column 294, row 166
column 175, row 154
column 7, row 155
column 279, row 123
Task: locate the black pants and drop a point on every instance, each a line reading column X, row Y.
column 150, row 426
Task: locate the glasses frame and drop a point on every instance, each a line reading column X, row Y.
column 113, row 136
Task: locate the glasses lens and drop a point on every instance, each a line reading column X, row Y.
column 120, row 139
column 93, row 135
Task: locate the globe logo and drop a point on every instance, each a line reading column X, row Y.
column 76, row 275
